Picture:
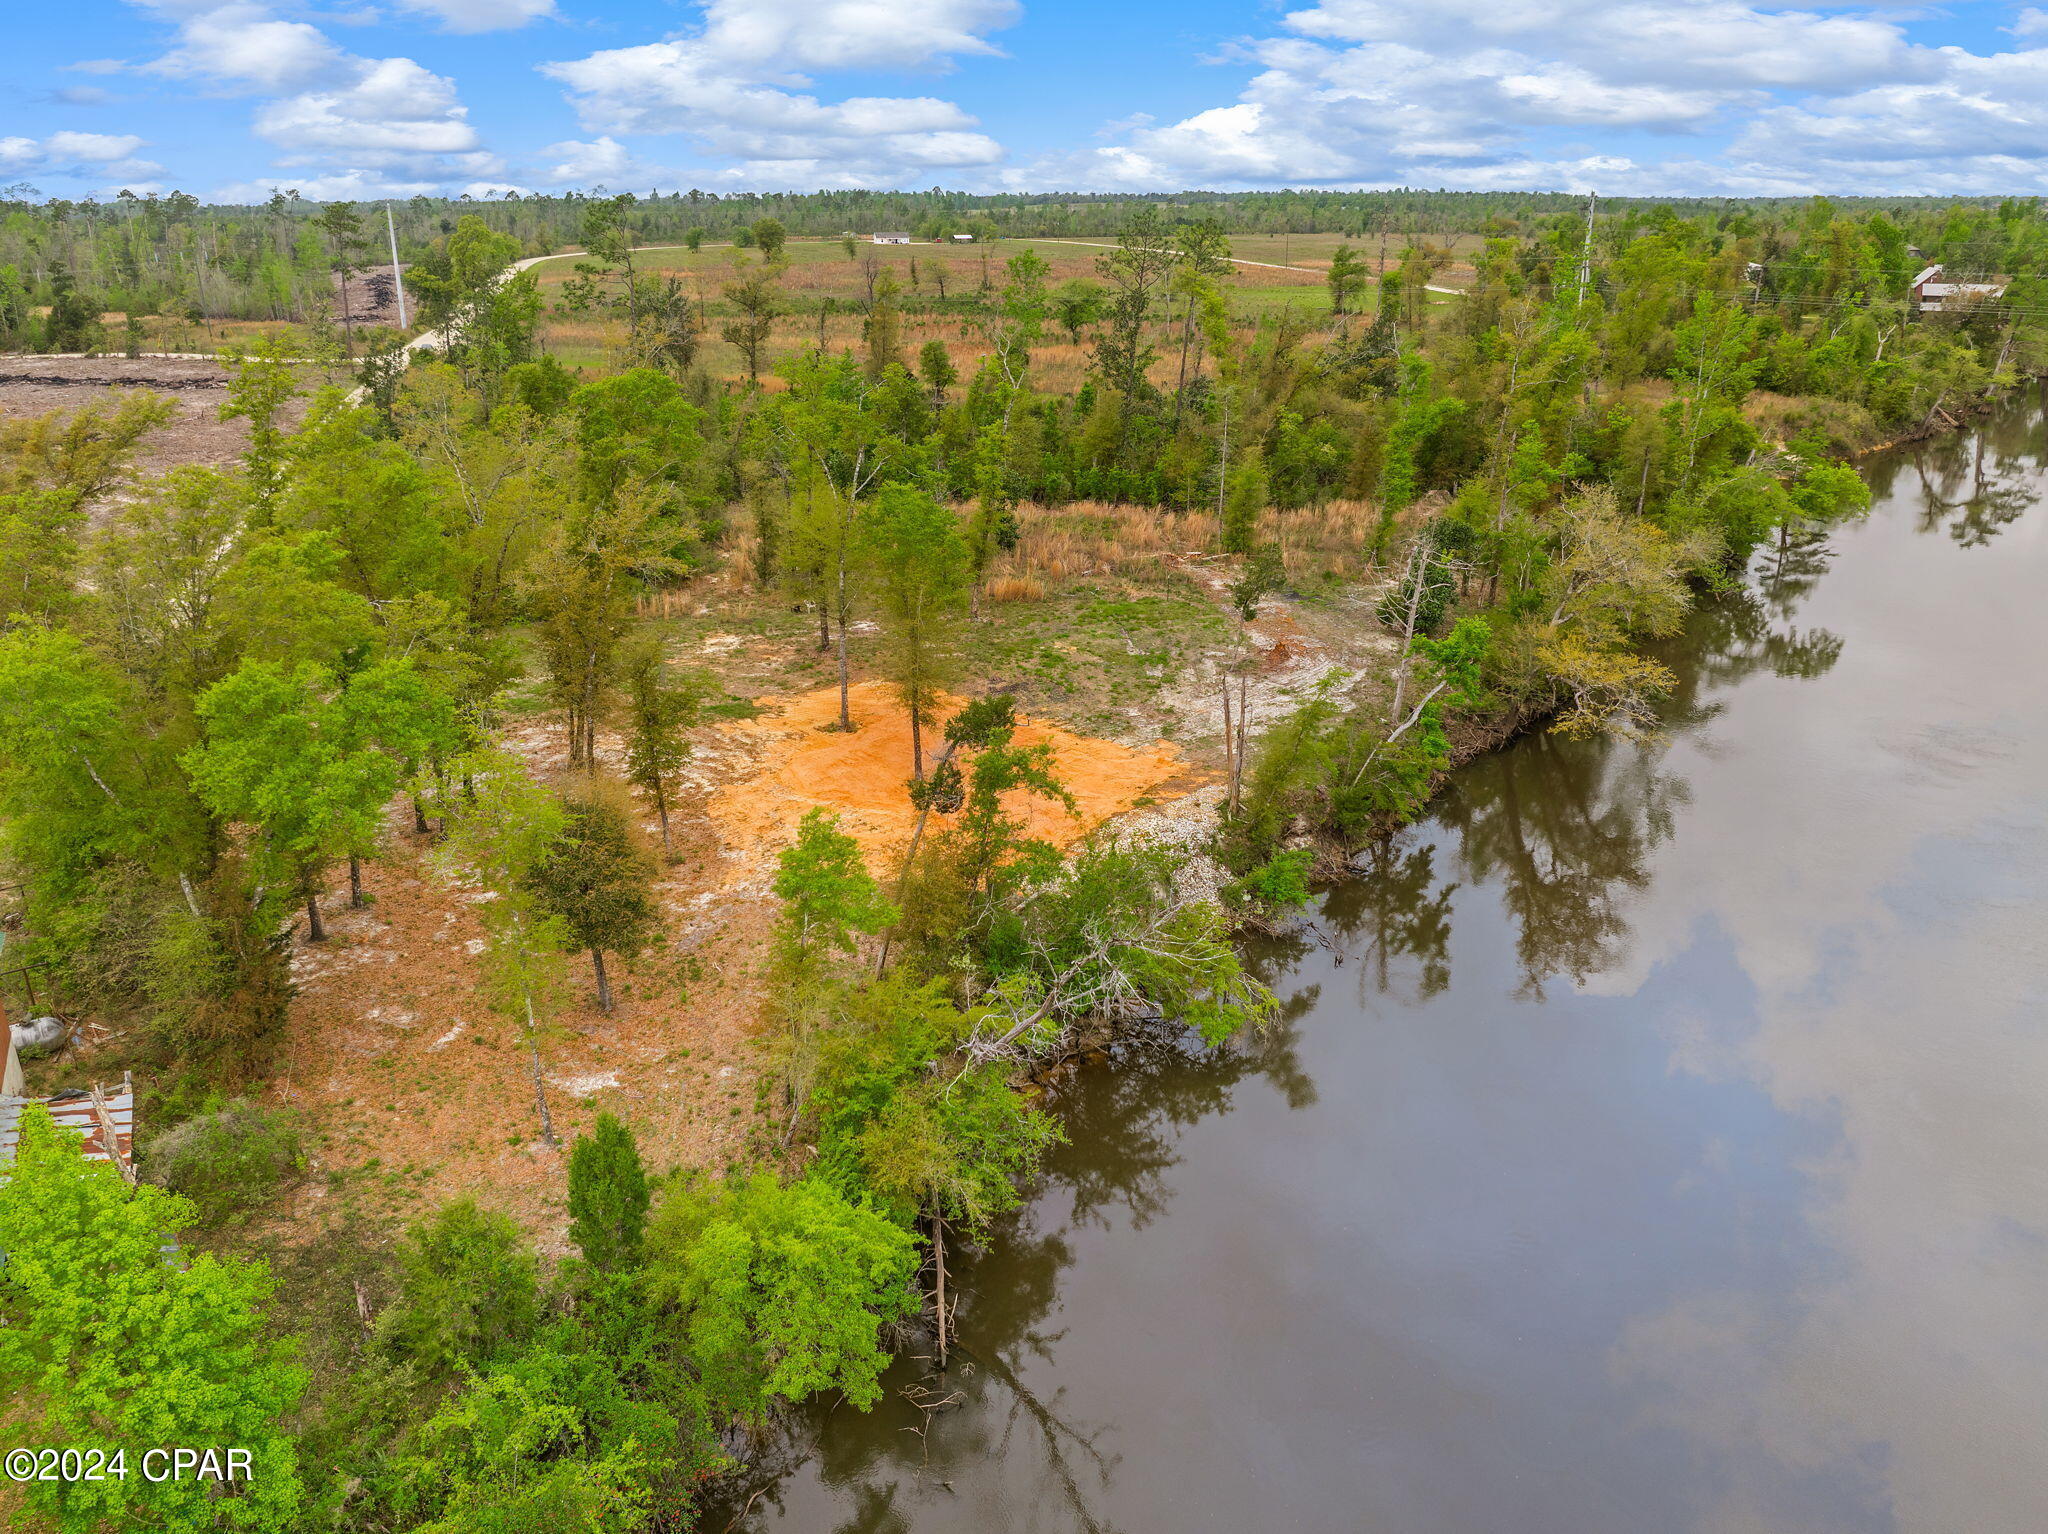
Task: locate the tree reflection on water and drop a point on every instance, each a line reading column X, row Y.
column 1559, row 834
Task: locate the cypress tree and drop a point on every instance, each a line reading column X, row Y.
column 608, row 1196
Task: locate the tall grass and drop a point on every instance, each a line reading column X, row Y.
column 1057, row 543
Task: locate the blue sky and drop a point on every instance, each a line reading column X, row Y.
column 368, row 98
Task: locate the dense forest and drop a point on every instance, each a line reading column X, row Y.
column 230, row 692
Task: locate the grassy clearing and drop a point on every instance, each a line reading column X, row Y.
column 940, row 288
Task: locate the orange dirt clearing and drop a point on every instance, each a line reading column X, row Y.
column 862, row 776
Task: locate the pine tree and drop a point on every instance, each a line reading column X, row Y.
column 600, row 881
column 608, row 1196
column 883, row 330
column 1245, row 502
column 935, row 367
column 659, row 709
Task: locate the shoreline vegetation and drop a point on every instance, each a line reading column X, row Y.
column 590, row 842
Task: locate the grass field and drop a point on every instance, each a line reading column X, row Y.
column 825, row 291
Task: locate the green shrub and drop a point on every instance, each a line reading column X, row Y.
column 1276, row 885
column 468, row 1290
column 229, row 1158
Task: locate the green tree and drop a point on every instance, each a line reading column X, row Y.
column 919, row 565
column 1245, row 502
column 985, row 856
column 778, row 1290
column 52, row 467
column 393, row 708
column 73, row 323
column 1111, row 932
column 1078, row 303
column 756, row 302
column 1136, row 271
column 262, row 381
column 1345, row 278
column 558, row 1436
column 608, row 1196
column 107, row 1343
column 503, row 829
column 771, row 237
column 343, row 228
column 580, row 584
column 609, row 240
column 827, row 896
column 1265, row 575
column 660, row 707
column 882, row 330
column 599, row 879
column 292, row 753
column 935, row 367
column 348, row 480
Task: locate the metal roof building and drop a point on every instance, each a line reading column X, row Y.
column 107, row 1119
column 1931, row 296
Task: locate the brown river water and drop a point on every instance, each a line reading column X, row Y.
column 1658, row 1144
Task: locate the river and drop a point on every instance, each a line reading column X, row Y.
column 1659, row 1144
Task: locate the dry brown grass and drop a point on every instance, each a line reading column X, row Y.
column 1016, row 588
column 1057, row 543
column 817, row 271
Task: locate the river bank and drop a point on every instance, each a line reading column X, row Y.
column 1594, row 1133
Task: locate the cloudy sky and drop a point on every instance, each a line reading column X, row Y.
column 369, row 98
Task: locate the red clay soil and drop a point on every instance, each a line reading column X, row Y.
column 862, row 776
column 394, row 1052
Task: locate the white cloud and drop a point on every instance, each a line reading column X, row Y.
column 392, row 107
column 98, row 156
column 1686, row 43
column 353, row 126
column 850, row 34
column 91, row 148
column 736, row 87
column 1983, row 111
column 336, row 186
column 482, row 15
column 604, row 161
column 1483, row 93
column 245, row 46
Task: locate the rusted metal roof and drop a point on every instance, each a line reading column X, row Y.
column 78, row 1112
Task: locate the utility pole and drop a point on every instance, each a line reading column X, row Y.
column 397, row 276
column 1586, row 250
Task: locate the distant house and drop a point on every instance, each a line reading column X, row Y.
column 1931, row 295
column 892, row 239
column 964, row 237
